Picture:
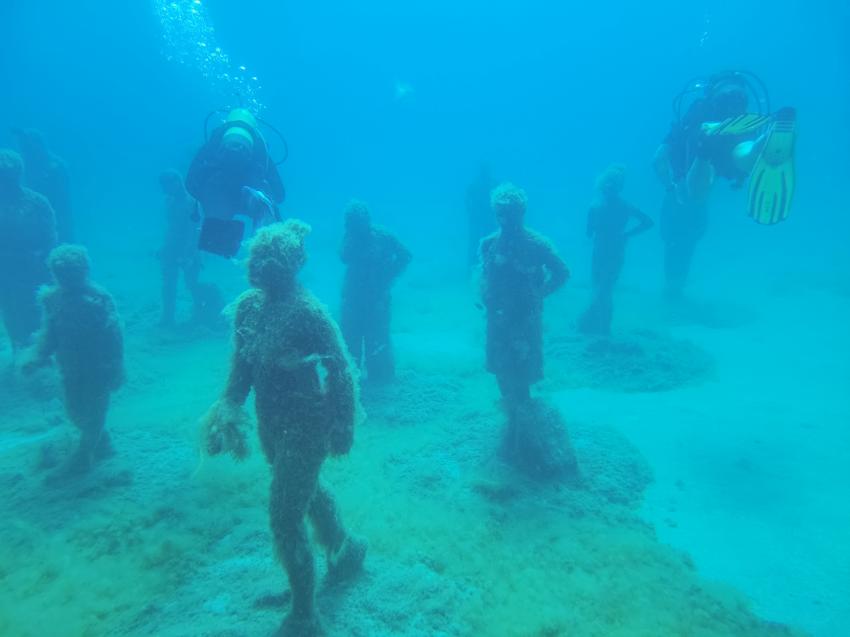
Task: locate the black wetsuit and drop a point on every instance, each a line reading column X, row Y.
column 216, row 180
column 686, row 143
column 683, row 221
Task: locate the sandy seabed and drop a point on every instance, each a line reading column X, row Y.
column 711, row 499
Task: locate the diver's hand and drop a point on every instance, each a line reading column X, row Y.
column 708, row 128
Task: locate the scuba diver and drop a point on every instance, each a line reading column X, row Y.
column 235, row 181
column 726, row 130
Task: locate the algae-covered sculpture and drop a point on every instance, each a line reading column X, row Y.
column 608, row 222
column 290, row 352
column 82, row 332
column 519, row 269
column 27, row 235
column 374, row 258
column 47, row 174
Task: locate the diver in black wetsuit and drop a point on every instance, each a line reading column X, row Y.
column 689, row 160
column 607, row 221
column 233, row 175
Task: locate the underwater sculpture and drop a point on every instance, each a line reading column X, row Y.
column 519, row 269
column 83, row 332
column 27, row 234
column 179, row 251
column 47, row 174
column 289, row 350
column 479, row 217
column 607, row 221
column 374, row 258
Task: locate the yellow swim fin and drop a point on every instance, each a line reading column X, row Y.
column 739, row 125
column 772, row 180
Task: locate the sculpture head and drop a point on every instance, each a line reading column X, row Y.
column 69, row 265
column 610, row 182
column 276, row 256
column 509, row 204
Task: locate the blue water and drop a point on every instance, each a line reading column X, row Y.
column 398, row 104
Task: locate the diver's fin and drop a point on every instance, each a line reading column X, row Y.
column 772, row 180
column 739, row 125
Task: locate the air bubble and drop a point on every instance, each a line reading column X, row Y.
column 189, row 40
